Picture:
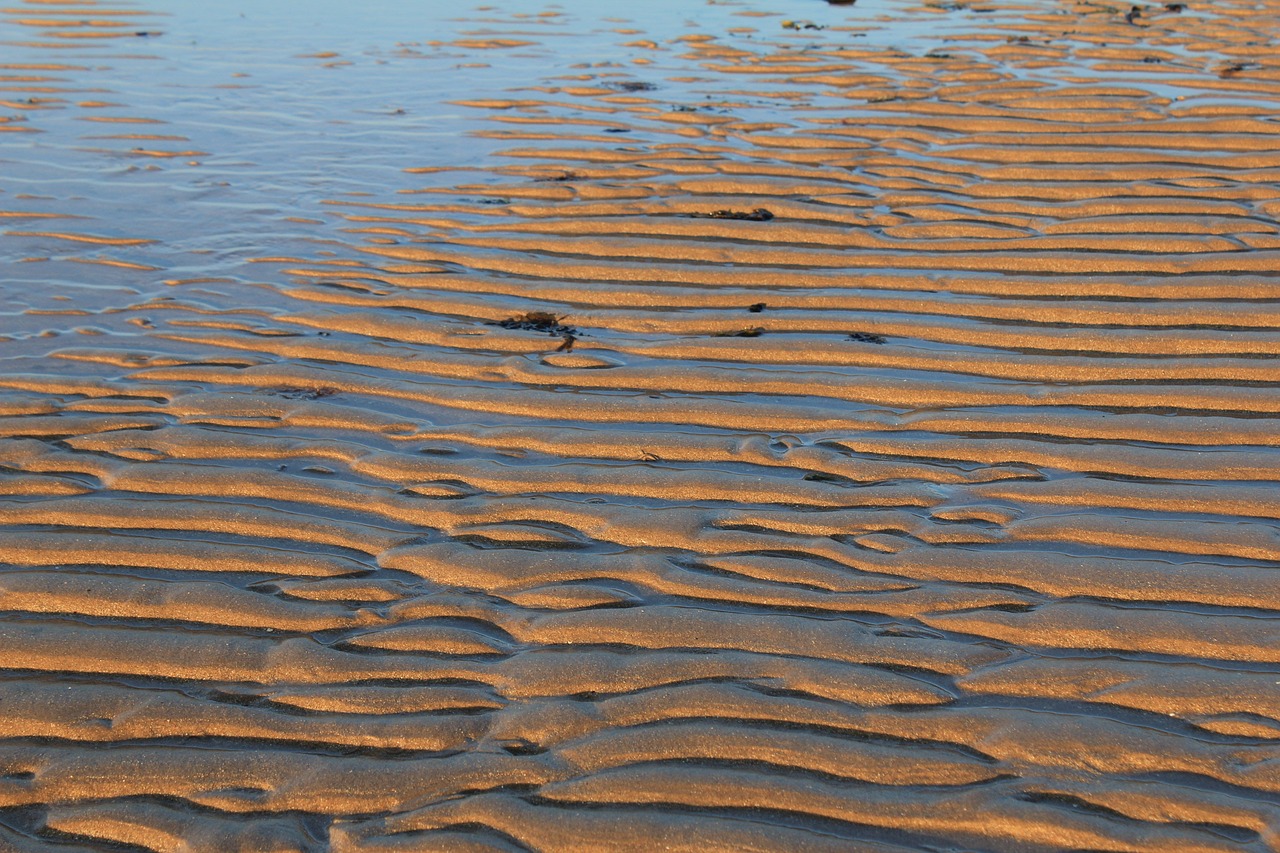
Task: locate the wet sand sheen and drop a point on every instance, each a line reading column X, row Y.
column 752, row 436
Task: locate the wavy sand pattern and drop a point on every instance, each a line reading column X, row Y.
column 765, row 437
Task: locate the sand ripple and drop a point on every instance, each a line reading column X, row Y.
column 774, row 439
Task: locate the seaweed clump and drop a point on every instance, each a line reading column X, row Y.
column 545, row 322
column 757, row 215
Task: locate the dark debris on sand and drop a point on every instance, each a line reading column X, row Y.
column 757, row 215
column 536, row 321
column 545, row 322
column 632, row 86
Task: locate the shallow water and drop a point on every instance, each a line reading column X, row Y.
column 415, row 439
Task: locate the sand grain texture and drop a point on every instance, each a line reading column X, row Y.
column 718, row 430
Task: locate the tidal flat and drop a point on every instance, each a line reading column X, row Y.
column 706, row 426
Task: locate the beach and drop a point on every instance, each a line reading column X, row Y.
column 715, row 426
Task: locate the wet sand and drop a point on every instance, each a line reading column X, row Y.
column 733, row 427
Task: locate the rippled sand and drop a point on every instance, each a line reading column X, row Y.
column 736, row 427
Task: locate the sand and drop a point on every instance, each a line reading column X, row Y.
column 741, row 426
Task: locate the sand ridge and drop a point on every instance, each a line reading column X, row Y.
column 760, row 433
